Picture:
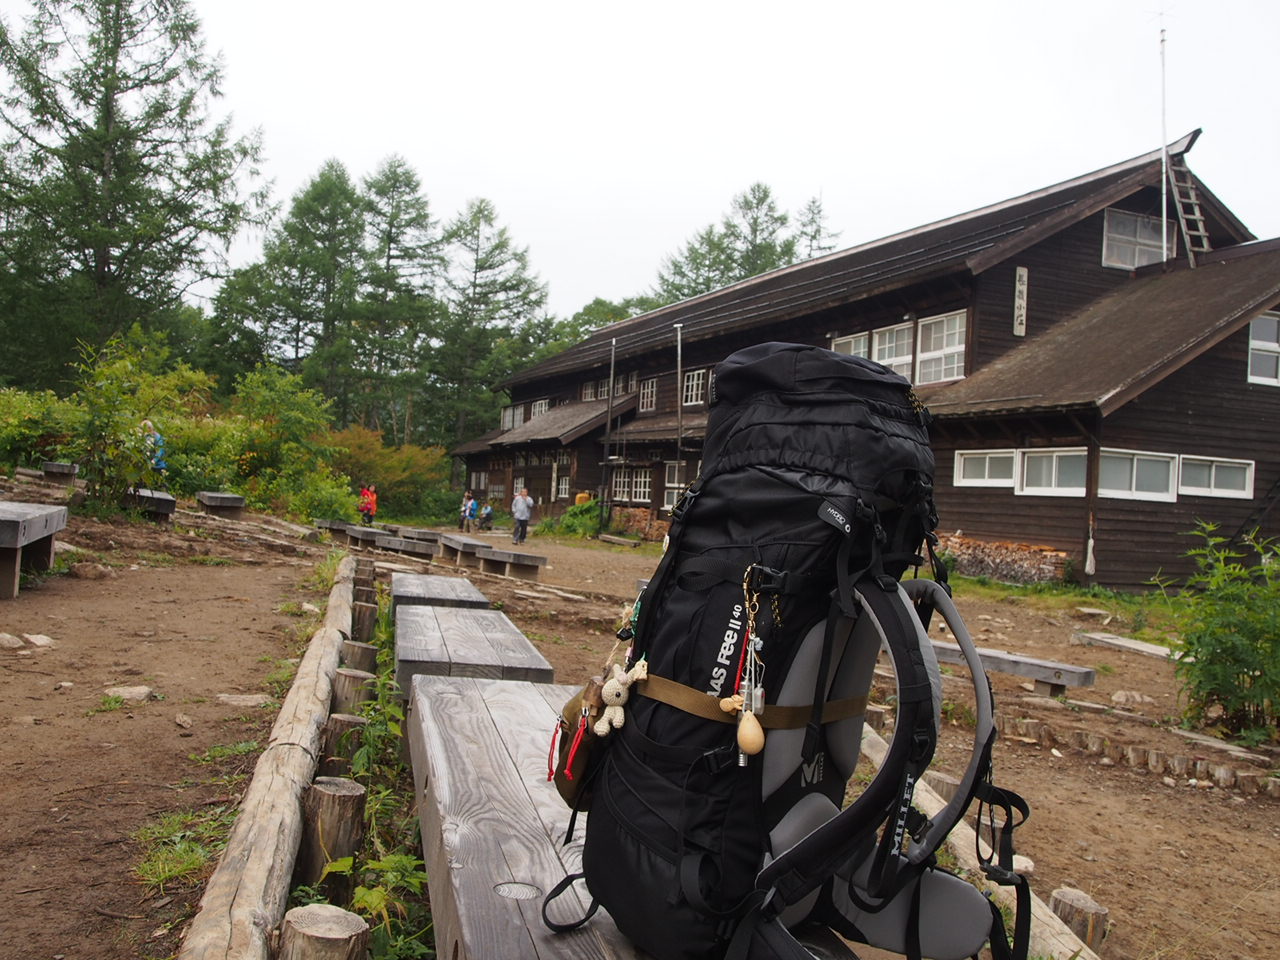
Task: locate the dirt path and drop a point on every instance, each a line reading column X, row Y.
column 1186, row 872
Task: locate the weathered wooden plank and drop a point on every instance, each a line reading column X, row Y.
column 1047, row 671
column 23, row 523
column 435, row 590
column 480, row 640
column 489, row 858
column 420, row 645
column 511, row 556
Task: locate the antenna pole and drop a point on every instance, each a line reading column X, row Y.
column 1164, row 161
column 679, row 405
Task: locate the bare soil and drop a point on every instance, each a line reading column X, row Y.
column 207, row 608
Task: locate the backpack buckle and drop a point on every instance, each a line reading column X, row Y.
column 687, row 496
column 766, row 579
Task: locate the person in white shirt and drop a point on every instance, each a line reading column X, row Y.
column 521, row 511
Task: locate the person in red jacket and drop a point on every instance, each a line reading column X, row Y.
column 368, row 503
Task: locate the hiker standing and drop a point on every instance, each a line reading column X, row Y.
column 154, row 442
column 368, row 503
column 464, row 510
column 521, row 511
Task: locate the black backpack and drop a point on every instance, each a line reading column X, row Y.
column 780, row 584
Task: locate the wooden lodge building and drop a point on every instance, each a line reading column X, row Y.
column 1089, row 394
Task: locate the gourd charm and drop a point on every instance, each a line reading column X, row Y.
column 750, row 733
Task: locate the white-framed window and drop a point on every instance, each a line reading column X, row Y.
column 517, row 484
column 855, row 345
column 589, row 390
column 602, row 389
column 632, row 379
column 985, row 468
column 479, row 480
column 562, row 487
column 672, row 487
column 622, row 483
column 891, row 346
column 1264, row 349
column 539, row 407
column 508, row 418
column 649, row 395
column 1131, row 240
column 1207, row 477
column 641, row 484
column 695, row 387
column 562, row 456
column 941, row 353
column 498, row 494
column 1052, row 473
column 1137, row 475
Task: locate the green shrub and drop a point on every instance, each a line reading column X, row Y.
column 580, row 520
column 1229, row 646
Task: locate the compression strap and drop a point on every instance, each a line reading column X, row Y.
column 707, row 707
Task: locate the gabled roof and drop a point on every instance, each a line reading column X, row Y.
column 1124, row 343
column 478, row 445
column 968, row 242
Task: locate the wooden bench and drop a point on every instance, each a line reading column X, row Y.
column 358, row 536
column 229, row 505
column 154, row 504
column 59, row 472
column 1051, row 678
column 493, row 827
column 460, row 642
column 617, row 541
column 26, row 540
column 418, row 533
column 460, row 550
column 423, row 589
column 407, row 545
column 509, row 563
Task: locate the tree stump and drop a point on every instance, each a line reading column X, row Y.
column 363, row 618
column 1084, row 915
column 332, row 828
column 338, row 744
column 321, row 931
column 350, row 689
column 359, row 655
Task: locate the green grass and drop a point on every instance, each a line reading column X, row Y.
column 221, row 751
column 106, row 705
column 280, row 678
column 178, row 848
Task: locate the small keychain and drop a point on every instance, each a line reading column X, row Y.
column 748, row 698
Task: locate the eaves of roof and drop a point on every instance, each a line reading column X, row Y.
column 958, row 244
column 1123, row 344
column 566, row 423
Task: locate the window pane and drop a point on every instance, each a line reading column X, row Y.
column 1115, row 473
column 1152, row 476
column 931, row 371
column 1265, row 329
column 973, row 468
column 1230, row 476
column 1196, row 473
column 1000, row 467
column 1265, row 366
column 1037, row 470
column 1071, row 470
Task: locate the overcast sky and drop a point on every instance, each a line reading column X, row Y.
column 607, row 133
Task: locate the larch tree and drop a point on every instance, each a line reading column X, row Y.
column 118, row 187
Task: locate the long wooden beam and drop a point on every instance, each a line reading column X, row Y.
column 246, row 897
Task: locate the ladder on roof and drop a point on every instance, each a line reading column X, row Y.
column 1187, row 204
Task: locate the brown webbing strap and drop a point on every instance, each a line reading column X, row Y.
column 775, row 717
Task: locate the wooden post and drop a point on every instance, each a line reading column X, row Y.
column 363, row 618
column 338, row 744
column 365, row 595
column 360, row 656
column 350, row 689
column 321, row 931
column 332, row 828
column 1079, row 911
